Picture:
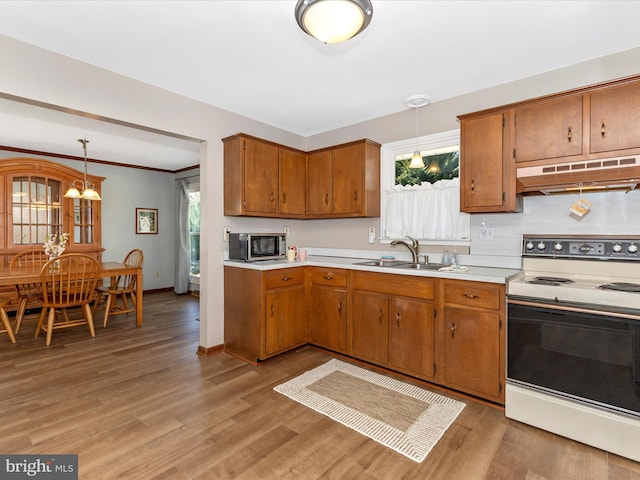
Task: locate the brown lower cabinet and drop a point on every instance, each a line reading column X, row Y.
column 449, row 332
column 264, row 312
column 328, row 308
column 392, row 321
column 472, row 324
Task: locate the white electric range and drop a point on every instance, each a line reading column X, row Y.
column 573, row 348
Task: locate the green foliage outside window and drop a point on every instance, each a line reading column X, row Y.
column 194, row 231
column 447, row 160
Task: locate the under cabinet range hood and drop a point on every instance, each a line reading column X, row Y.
column 605, row 174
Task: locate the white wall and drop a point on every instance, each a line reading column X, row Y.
column 36, row 74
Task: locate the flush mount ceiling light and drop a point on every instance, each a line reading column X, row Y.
column 88, row 188
column 417, row 101
column 333, row 21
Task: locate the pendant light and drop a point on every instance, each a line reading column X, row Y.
column 333, row 21
column 417, row 101
column 88, row 188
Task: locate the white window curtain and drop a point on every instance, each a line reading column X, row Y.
column 427, row 211
column 183, row 243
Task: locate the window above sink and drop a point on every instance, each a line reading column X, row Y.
column 429, row 212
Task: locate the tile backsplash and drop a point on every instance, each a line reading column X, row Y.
column 614, row 212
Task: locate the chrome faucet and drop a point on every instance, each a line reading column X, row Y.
column 414, row 247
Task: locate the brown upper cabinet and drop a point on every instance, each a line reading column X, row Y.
column 615, row 118
column 292, row 175
column 320, row 183
column 487, row 173
column 549, row 130
column 344, row 181
column 264, row 179
column 590, row 123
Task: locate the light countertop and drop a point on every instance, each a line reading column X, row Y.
column 474, row 273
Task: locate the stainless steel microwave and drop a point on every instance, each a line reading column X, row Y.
column 251, row 247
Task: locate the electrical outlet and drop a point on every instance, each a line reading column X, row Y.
column 156, row 274
column 285, row 230
column 227, row 231
column 488, row 233
column 372, row 234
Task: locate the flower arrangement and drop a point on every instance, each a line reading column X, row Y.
column 55, row 244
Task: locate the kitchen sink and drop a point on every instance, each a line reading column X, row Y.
column 422, row 266
column 383, row 263
column 400, row 264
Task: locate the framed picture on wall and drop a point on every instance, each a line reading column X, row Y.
column 146, row 220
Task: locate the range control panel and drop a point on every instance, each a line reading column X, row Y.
column 624, row 248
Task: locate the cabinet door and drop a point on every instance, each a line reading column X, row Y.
column 320, row 183
column 370, row 332
column 411, row 336
column 472, row 351
column 260, row 177
column 481, row 161
column 328, row 317
column 293, row 175
column 549, row 130
column 285, row 319
column 615, row 118
column 347, row 179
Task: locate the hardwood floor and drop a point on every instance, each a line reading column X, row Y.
column 138, row 403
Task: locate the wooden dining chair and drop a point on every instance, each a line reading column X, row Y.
column 123, row 290
column 6, row 325
column 67, row 281
column 28, row 293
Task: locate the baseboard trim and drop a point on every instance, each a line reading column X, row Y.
column 209, row 351
column 157, row 290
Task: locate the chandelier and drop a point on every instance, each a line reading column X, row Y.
column 87, row 189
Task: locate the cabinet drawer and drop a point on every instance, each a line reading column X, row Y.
column 401, row 285
column 328, row 276
column 475, row 294
column 283, row 278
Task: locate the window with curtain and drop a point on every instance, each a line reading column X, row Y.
column 423, row 203
column 194, row 230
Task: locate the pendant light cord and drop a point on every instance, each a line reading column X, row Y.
column 84, row 142
column 417, row 122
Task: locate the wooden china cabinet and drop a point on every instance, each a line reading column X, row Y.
column 32, row 205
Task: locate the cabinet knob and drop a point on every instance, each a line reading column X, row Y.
column 355, row 196
column 285, row 279
column 339, row 307
column 470, row 295
column 398, row 319
column 569, row 134
column 380, row 316
column 603, row 127
column 452, row 329
column 327, row 277
column 271, row 197
column 473, row 185
column 284, row 197
column 326, row 199
column 273, row 309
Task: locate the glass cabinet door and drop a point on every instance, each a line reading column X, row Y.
column 36, row 209
column 33, row 206
column 83, row 221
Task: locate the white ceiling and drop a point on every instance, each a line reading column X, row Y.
column 250, row 57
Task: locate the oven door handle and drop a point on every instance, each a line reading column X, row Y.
column 568, row 308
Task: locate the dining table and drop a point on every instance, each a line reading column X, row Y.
column 19, row 275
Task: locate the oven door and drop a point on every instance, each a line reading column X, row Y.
column 575, row 351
